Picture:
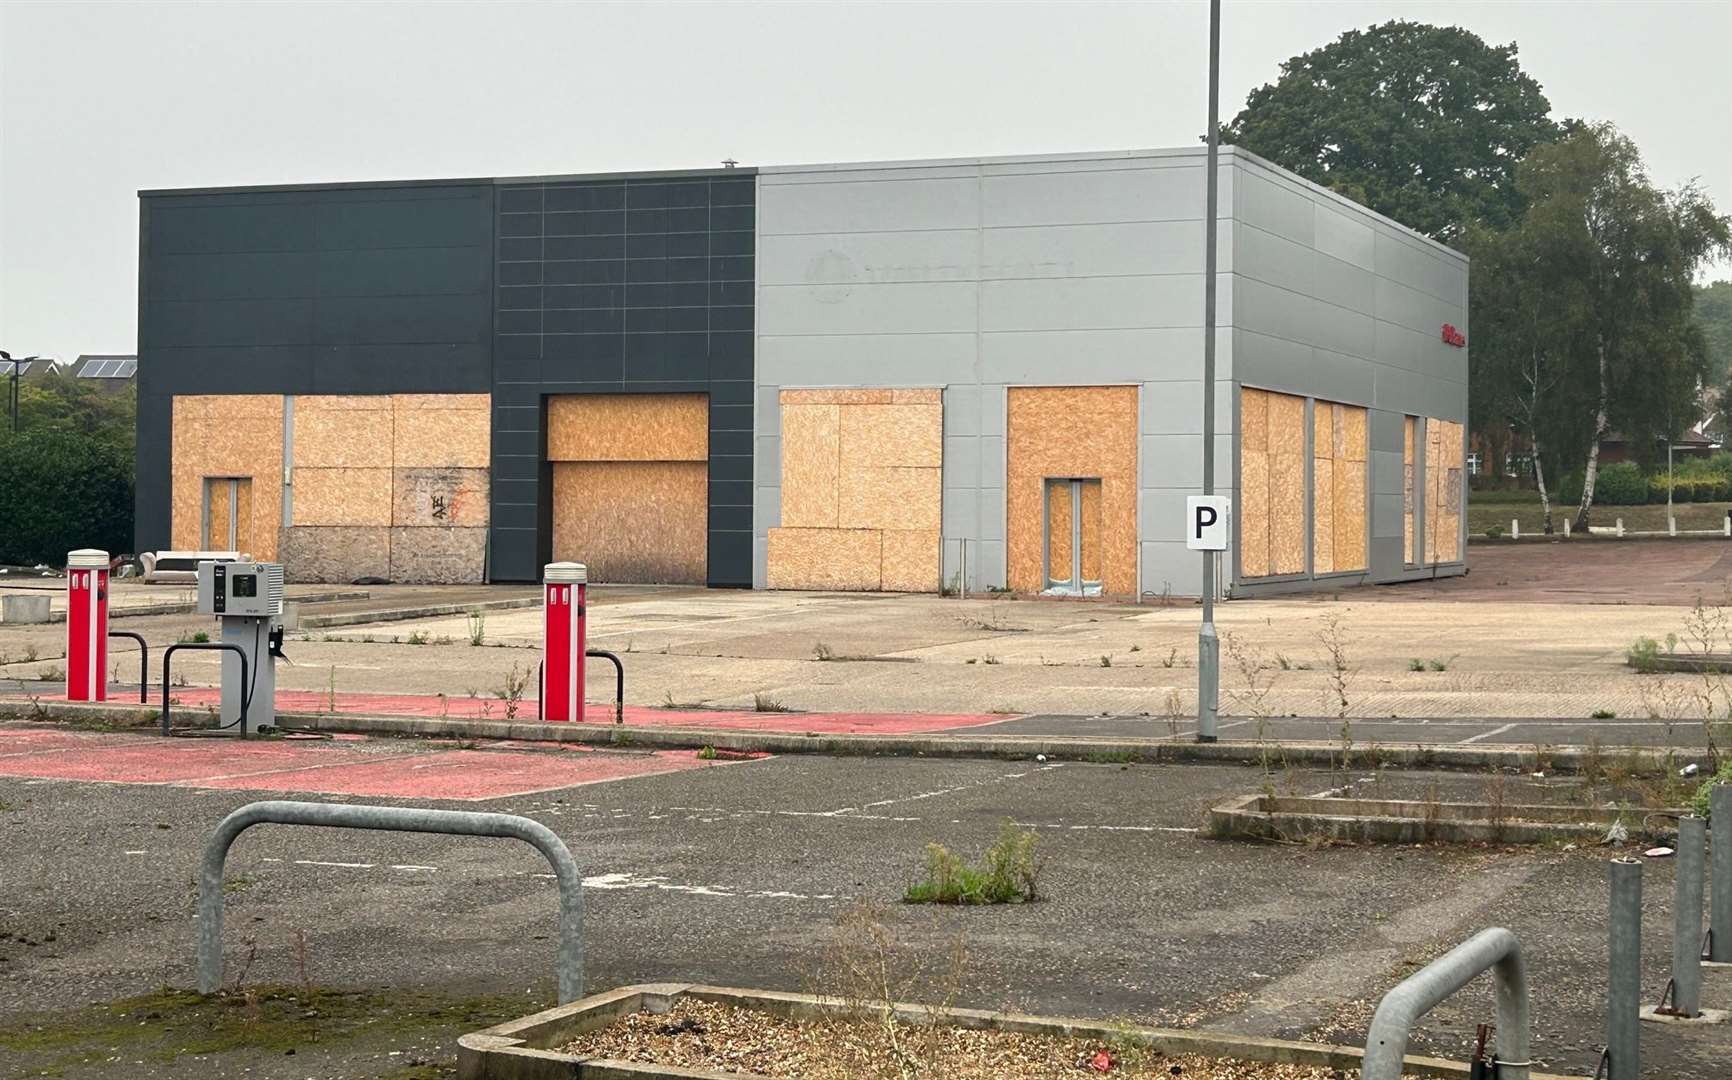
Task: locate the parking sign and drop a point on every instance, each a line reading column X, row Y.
column 1208, row 522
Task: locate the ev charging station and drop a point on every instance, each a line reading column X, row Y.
column 564, row 588
column 87, row 625
column 247, row 598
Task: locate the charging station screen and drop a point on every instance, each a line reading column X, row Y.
column 245, row 584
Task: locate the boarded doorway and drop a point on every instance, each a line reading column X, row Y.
column 228, row 514
column 1073, row 536
column 631, row 485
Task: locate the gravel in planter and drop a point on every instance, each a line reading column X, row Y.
column 706, row 1035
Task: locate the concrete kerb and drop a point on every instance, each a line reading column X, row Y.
column 424, row 611
column 526, row 1049
column 1300, row 754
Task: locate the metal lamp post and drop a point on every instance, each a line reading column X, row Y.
column 1208, row 644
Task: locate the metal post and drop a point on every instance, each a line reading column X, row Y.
column 1495, row 949
column 1720, row 914
column 395, row 819
column 1687, row 918
column 1624, row 972
column 1208, row 644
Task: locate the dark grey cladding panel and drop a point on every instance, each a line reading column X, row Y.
column 314, row 290
column 626, row 285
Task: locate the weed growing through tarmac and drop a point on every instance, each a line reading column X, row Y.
column 52, row 673
column 821, row 651
column 708, row 753
column 1603, row 714
column 765, row 703
column 417, row 638
column 1007, row 874
column 1643, row 655
column 1106, row 661
column 511, row 691
column 1416, row 664
column 477, row 628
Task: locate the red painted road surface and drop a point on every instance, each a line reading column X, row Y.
column 351, row 766
column 851, row 723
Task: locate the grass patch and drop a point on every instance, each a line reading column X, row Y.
column 1007, row 874
column 1495, row 509
column 197, row 637
column 169, row 1025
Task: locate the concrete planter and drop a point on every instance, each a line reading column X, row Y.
column 1400, row 821
column 524, row 1049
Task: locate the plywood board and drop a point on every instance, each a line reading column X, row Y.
column 1089, row 530
column 434, row 437
column 350, row 437
column 1060, row 529
column 335, row 555
column 310, row 403
column 894, row 498
column 910, row 561
column 1348, row 503
column 1350, row 441
column 1287, row 539
column 439, row 498
column 1286, row 424
column 226, row 435
column 243, row 495
column 436, row 556
column 1253, row 513
column 628, row 427
column 1088, row 431
column 341, row 497
column 840, row 396
column 841, row 559
column 1323, row 431
column 1253, row 419
column 472, row 402
column 920, row 395
column 885, row 435
column 219, row 513
column 1409, row 554
column 633, row 521
column 1323, row 515
column 811, row 464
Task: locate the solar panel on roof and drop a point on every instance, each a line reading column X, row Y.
column 128, row 368
column 23, row 367
column 109, row 367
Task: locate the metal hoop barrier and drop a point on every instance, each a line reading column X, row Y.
column 143, row 663
column 1496, row 950
column 207, row 646
column 391, row 819
column 618, row 682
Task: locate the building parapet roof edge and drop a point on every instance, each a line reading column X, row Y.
column 455, row 181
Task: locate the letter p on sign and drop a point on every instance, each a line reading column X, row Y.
column 1208, row 522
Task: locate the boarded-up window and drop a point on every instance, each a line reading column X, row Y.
column 862, row 490
column 1271, row 483
column 1409, row 536
column 1443, row 490
column 1337, row 488
column 631, row 485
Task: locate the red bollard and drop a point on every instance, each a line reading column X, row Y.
column 564, row 587
column 87, row 625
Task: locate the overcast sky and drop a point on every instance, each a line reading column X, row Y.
column 98, row 100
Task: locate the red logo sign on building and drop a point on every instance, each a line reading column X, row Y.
column 1452, row 336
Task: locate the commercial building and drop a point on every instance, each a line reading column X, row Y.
column 899, row 376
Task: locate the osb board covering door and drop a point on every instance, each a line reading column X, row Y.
column 1443, row 490
column 1272, row 536
column 628, row 427
column 1338, row 505
column 1088, row 431
column 226, row 435
column 636, row 521
column 862, row 490
column 389, row 485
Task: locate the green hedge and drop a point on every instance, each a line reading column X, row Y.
column 61, row 490
column 1622, row 484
